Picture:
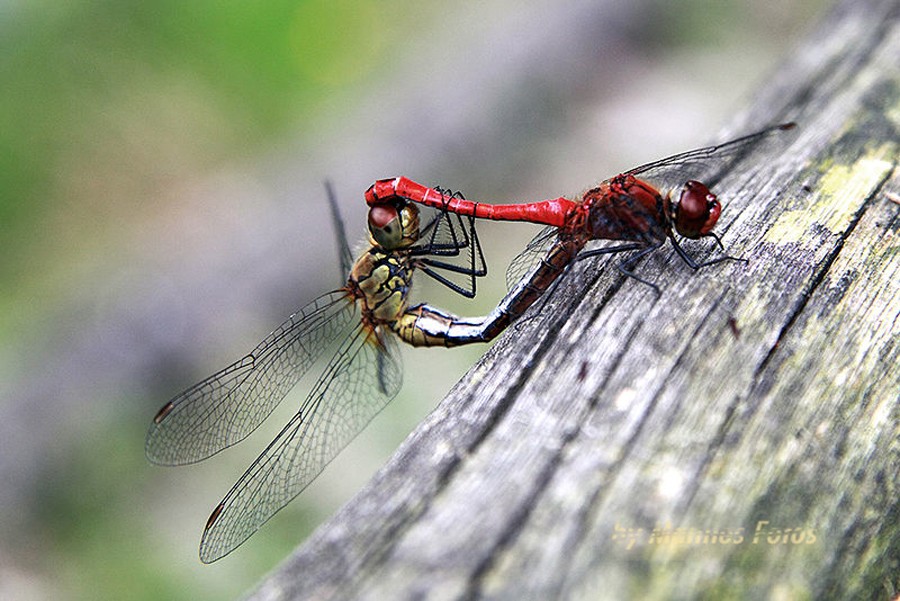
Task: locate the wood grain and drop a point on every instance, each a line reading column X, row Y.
column 735, row 438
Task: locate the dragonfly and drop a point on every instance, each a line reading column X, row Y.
column 626, row 208
column 363, row 320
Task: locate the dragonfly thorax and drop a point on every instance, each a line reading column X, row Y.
column 380, row 282
column 626, row 208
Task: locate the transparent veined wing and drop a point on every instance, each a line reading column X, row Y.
column 706, row 164
column 345, row 257
column 361, row 378
column 530, row 256
column 226, row 407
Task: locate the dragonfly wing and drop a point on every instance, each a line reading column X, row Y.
column 345, row 256
column 706, row 164
column 526, row 260
column 361, row 378
column 226, row 407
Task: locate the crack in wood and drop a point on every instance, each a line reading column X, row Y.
column 817, row 278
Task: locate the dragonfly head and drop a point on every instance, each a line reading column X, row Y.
column 394, row 225
column 696, row 210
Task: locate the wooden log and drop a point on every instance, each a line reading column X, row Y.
column 735, row 438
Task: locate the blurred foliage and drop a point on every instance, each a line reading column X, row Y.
column 91, row 532
column 95, row 530
column 150, row 86
column 105, row 103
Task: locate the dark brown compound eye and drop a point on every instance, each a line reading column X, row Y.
column 696, row 211
column 385, row 226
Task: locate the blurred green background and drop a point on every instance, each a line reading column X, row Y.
column 162, row 209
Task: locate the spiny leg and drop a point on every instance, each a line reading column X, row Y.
column 625, row 265
column 447, row 235
column 694, row 264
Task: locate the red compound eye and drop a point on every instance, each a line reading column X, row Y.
column 385, row 226
column 381, row 215
column 696, row 211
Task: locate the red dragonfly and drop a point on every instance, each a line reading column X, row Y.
column 360, row 321
column 623, row 208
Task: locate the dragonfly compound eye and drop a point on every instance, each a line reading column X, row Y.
column 385, row 226
column 697, row 210
column 409, row 225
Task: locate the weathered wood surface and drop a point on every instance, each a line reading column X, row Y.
column 749, row 396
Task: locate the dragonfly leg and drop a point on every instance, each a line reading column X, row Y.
column 718, row 240
column 694, row 264
column 451, row 235
column 625, row 265
column 610, row 250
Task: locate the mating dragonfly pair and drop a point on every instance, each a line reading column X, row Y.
column 363, row 318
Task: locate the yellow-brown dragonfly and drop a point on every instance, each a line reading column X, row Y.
column 362, row 318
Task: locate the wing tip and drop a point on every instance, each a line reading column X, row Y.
column 163, row 412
